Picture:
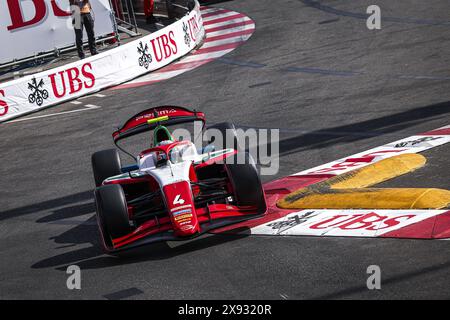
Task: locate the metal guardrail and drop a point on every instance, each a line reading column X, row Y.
column 179, row 8
column 54, row 53
column 125, row 16
column 164, row 7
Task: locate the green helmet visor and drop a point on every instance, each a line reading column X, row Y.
column 161, row 133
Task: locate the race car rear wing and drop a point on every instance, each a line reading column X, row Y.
column 169, row 114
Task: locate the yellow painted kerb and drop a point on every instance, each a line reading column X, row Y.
column 350, row 190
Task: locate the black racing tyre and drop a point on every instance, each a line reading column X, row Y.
column 246, row 182
column 228, row 131
column 105, row 164
column 112, row 213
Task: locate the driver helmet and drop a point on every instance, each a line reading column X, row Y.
column 162, row 136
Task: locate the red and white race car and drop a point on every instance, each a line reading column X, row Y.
column 174, row 191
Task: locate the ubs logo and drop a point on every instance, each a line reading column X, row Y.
column 38, row 92
column 145, row 57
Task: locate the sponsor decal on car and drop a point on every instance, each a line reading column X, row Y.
column 163, row 112
column 182, row 211
column 181, row 207
column 187, row 227
column 183, row 215
column 186, row 218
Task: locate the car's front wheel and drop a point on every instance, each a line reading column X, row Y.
column 112, row 213
column 246, row 183
column 105, row 164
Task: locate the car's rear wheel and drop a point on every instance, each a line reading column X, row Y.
column 105, row 164
column 246, row 182
column 112, row 213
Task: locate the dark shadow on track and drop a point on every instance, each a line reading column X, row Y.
column 389, row 124
column 86, row 232
column 48, row 205
column 68, row 212
column 94, row 258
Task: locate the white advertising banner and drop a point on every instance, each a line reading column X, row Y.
column 106, row 69
column 28, row 27
column 346, row 223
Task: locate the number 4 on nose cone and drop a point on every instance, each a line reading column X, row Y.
column 178, row 199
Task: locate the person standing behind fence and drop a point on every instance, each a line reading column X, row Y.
column 148, row 11
column 87, row 21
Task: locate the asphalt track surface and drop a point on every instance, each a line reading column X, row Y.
column 312, row 69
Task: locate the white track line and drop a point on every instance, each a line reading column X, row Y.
column 98, row 95
column 87, row 108
column 156, row 76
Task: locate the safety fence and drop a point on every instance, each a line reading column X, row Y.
column 109, row 68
